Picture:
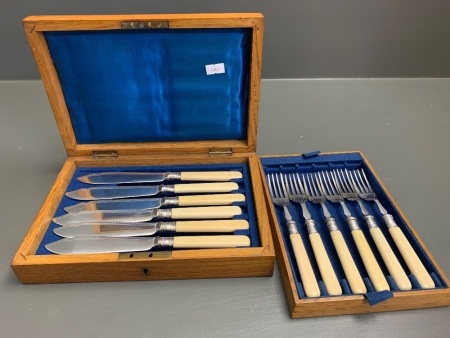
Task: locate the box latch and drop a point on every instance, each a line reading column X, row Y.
column 144, row 24
column 104, row 154
column 220, row 152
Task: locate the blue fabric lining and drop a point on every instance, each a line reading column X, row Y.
column 248, row 207
column 377, row 297
column 151, row 85
column 301, row 164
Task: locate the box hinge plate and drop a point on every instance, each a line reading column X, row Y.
column 220, row 152
column 144, row 24
column 104, row 154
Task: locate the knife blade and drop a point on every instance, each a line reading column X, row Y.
column 134, row 216
column 143, row 177
column 122, row 229
column 91, row 245
column 137, row 191
column 155, row 203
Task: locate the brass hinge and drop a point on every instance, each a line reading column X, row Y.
column 220, row 152
column 104, row 154
column 144, row 24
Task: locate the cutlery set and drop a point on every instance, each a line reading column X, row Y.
column 116, row 217
column 346, row 189
column 117, row 213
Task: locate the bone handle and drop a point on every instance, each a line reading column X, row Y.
column 323, row 261
column 206, row 212
column 204, row 242
column 205, row 187
column 218, row 199
column 411, row 258
column 304, row 266
column 348, row 264
column 373, row 269
column 211, row 226
column 210, row 176
column 391, row 261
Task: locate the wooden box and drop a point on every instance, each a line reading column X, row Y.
column 395, row 296
column 133, row 92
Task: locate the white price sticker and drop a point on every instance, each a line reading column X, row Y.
column 218, row 68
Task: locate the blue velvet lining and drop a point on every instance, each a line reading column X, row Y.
column 302, row 164
column 151, row 85
column 248, row 207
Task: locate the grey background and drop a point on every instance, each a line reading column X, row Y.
column 401, row 125
column 303, row 38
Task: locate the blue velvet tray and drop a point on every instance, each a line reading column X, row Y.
column 315, row 163
column 152, row 85
column 245, row 187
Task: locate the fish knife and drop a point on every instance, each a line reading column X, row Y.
column 91, row 245
column 149, row 229
column 138, row 191
column 155, row 203
column 143, row 177
column 134, row 216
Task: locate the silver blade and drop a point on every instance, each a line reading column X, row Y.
column 89, row 194
column 108, row 230
column 90, row 245
column 145, row 203
column 123, row 177
column 106, row 216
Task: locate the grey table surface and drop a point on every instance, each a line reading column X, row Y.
column 402, row 125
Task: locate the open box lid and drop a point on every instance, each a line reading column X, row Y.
column 151, row 84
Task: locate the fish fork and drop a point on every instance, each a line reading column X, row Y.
column 279, row 198
column 409, row 255
column 373, row 269
column 348, row 264
column 298, row 194
column 389, row 258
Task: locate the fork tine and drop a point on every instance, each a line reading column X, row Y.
column 308, row 185
column 271, row 186
column 314, row 185
column 320, row 185
column 298, row 185
column 330, row 189
column 291, row 188
column 283, row 186
column 274, row 186
column 280, row 192
column 336, row 182
column 269, row 183
column 365, row 181
column 302, row 184
column 343, row 184
column 351, row 181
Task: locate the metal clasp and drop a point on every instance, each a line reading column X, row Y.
column 144, row 24
column 104, row 154
column 220, row 152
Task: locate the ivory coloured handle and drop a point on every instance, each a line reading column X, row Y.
column 352, row 274
column 204, row 242
column 211, row 226
column 411, row 258
column 205, row 187
column 373, row 269
column 391, row 261
column 206, row 212
column 323, row 261
column 210, row 175
column 310, row 285
column 218, row 199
